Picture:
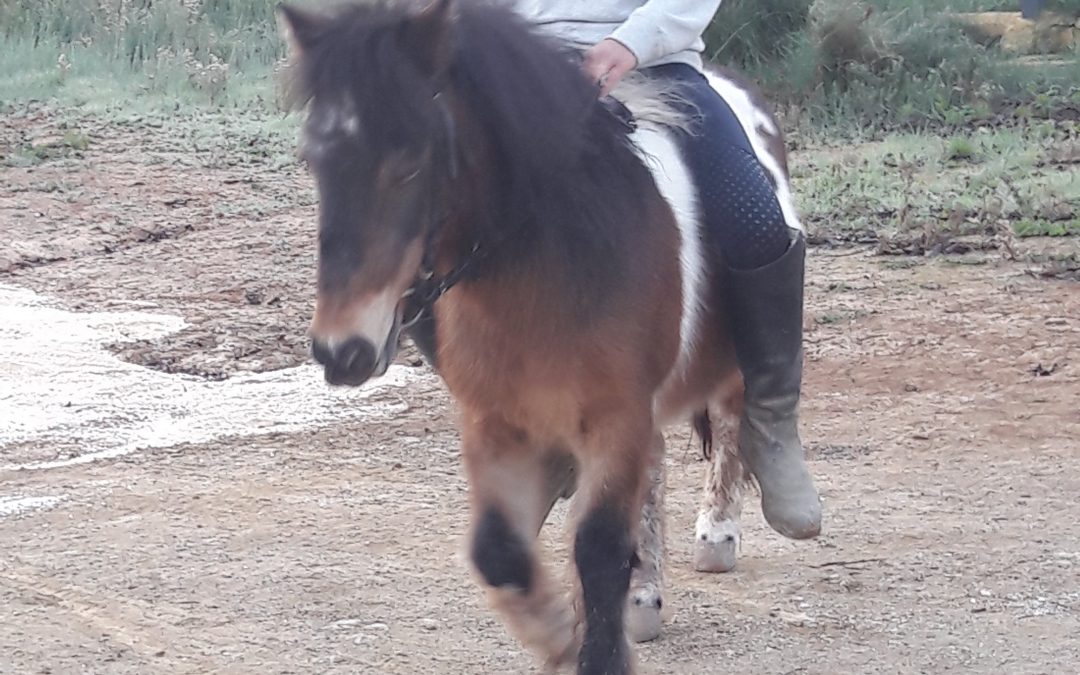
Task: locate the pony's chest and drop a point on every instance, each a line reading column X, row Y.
column 502, row 366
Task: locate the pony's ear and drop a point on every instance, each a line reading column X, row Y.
column 428, row 35
column 300, row 28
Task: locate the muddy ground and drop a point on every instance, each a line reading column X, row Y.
column 942, row 412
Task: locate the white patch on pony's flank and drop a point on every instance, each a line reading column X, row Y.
column 14, row 506
column 661, row 154
column 714, row 532
column 753, row 118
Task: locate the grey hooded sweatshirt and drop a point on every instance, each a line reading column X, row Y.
column 656, row 31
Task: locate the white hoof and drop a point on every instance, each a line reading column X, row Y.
column 716, row 544
column 643, row 618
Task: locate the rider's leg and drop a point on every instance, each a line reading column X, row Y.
column 762, row 266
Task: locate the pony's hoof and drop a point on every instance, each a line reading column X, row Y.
column 716, row 545
column 643, row 618
column 718, row 557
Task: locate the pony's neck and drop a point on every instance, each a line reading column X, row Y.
column 568, row 213
column 484, row 229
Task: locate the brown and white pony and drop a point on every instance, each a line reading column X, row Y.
column 469, row 179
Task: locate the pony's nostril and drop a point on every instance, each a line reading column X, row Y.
column 355, row 355
column 321, row 352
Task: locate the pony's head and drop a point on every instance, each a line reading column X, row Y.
column 376, row 141
column 398, row 99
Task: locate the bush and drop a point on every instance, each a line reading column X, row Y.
column 750, row 33
column 1066, row 7
column 882, row 62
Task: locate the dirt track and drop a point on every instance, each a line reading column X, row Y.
column 942, row 409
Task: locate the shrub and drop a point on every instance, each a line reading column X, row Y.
column 750, row 33
column 882, row 62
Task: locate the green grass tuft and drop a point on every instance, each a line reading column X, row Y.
column 1044, row 228
column 961, row 148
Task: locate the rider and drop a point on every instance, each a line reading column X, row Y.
column 763, row 256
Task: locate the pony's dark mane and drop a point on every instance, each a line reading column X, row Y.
column 568, row 181
column 529, row 91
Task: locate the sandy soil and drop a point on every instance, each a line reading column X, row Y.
column 942, row 411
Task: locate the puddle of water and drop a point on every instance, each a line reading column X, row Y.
column 59, row 388
column 13, row 506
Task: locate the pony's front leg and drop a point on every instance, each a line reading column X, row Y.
column 511, row 490
column 716, row 534
column 612, row 457
column 643, row 616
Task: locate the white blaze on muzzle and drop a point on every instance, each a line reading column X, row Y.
column 377, row 321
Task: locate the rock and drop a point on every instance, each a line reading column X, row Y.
column 1010, row 32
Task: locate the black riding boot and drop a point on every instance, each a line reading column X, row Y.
column 766, row 313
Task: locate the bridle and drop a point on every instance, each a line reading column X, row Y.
column 428, row 288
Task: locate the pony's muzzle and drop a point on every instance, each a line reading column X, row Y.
column 350, row 363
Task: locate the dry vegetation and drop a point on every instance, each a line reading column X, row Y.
column 889, row 63
column 909, row 133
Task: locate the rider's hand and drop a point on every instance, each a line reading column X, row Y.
column 607, row 62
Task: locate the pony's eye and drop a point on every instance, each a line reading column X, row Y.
column 410, row 176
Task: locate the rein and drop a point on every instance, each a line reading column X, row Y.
column 428, row 288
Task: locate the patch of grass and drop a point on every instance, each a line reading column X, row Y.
column 72, row 144
column 961, row 148
column 146, row 53
column 828, row 62
column 753, row 33
column 240, row 33
column 1067, row 7
column 76, row 140
column 911, row 187
column 1044, row 228
column 19, row 157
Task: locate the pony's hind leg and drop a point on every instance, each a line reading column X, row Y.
column 716, row 534
column 643, row 617
column 512, row 488
column 611, row 493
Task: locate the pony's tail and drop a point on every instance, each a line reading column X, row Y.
column 703, row 428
